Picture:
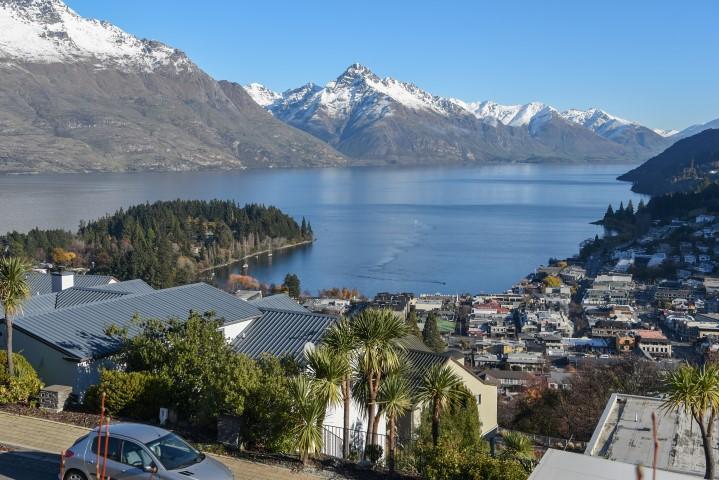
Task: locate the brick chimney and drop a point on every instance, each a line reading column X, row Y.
column 62, row 281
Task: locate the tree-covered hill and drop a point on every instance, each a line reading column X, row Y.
column 164, row 243
column 690, row 163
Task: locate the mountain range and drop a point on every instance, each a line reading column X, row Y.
column 386, row 120
column 83, row 95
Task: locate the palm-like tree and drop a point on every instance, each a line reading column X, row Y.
column 326, row 375
column 519, row 447
column 378, row 334
column 440, row 389
column 696, row 391
column 342, row 343
column 395, row 399
column 309, row 414
column 14, row 290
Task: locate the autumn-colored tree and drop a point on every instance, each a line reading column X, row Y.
column 62, row 256
column 244, row 282
column 552, row 281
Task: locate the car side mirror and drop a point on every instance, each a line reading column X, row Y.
column 152, row 468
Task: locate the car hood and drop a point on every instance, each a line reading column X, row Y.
column 208, row 469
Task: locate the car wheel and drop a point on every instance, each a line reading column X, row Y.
column 75, row 475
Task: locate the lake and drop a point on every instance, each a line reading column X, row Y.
column 445, row 230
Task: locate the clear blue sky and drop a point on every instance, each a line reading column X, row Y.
column 651, row 61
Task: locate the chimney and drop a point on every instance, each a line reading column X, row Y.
column 62, row 281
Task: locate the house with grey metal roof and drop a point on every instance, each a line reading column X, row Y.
column 280, row 301
column 64, row 334
column 43, row 283
column 282, row 333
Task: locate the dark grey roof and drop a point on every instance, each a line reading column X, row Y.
column 281, row 301
column 78, row 296
column 420, row 362
column 38, row 303
column 282, row 332
column 128, row 286
column 79, row 331
column 41, row 283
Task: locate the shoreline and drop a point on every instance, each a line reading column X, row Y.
column 254, row 254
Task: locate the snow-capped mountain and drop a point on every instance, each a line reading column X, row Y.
column 83, row 95
column 358, row 97
column 48, row 31
column 262, row 95
column 694, row 129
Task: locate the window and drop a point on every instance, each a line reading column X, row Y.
column 479, row 399
column 113, row 447
column 173, row 452
column 134, row 455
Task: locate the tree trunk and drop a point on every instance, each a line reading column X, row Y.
column 370, row 417
column 435, row 423
column 707, row 434
column 375, row 428
column 347, row 405
column 10, row 363
column 392, row 444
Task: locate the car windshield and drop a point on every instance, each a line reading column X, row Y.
column 173, row 452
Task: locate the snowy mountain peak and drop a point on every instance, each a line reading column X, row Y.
column 262, row 95
column 665, row 133
column 48, row 31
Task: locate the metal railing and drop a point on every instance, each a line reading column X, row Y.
column 333, row 441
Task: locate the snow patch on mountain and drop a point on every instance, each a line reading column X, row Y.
column 665, row 133
column 48, row 31
column 262, row 95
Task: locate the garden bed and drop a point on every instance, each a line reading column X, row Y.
column 72, row 417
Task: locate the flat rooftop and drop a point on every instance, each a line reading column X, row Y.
column 624, row 434
column 561, row 465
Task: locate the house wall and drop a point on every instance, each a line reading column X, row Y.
column 334, row 418
column 232, row 330
column 488, row 397
column 52, row 366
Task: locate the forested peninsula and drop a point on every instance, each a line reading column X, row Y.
column 164, row 243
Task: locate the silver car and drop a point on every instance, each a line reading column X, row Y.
column 141, row 452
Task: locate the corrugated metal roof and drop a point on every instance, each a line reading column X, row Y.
column 281, row 301
column 282, row 332
column 41, row 283
column 420, row 362
column 37, row 303
column 79, row 331
column 128, row 286
column 79, row 296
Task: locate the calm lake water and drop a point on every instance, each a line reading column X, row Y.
column 419, row 230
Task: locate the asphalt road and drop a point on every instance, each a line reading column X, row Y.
column 28, row 466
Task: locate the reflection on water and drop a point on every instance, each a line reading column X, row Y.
column 421, row 230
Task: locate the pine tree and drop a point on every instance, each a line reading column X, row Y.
column 609, row 213
column 303, row 228
column 292, row 284
column 641, row 205
column 430, row 334
column 630, row 209
column 412, row 322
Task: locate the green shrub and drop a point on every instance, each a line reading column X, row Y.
column 373, row 453
column 21, row 387
column 134, row 394
column 445, row 462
